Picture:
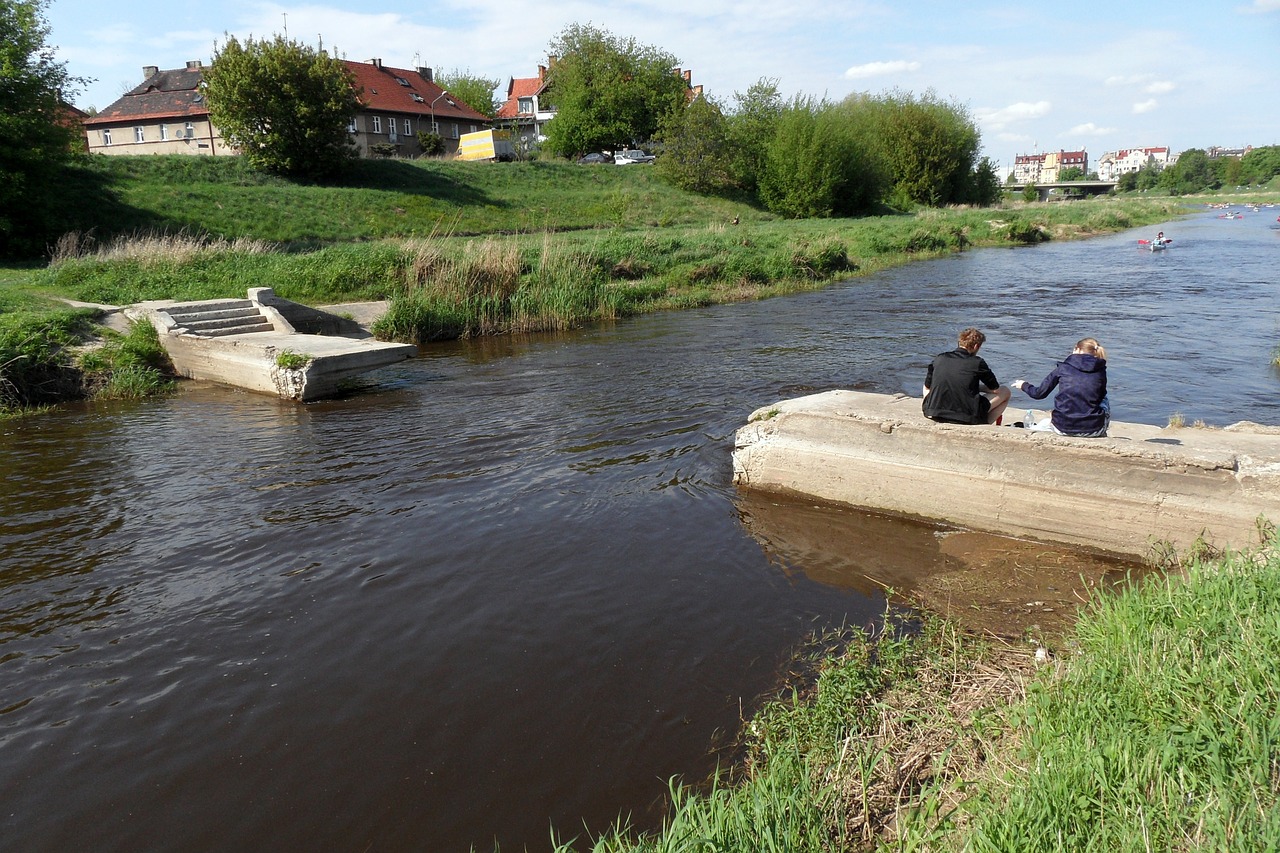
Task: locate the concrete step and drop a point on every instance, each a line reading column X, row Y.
column 243, row 329
column 183, row 317
column 201, row 326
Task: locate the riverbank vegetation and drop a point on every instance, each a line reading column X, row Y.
column 1154, row 727
column 464, row 249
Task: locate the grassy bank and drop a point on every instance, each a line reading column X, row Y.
column 462, row 249
column 1157, row 727
column 448, row 285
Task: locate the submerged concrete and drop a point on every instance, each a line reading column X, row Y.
column 241, row 342
column 1121, row 494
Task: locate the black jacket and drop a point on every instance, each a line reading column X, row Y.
column 954, row 394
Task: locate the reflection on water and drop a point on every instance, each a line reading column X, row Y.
column 987, row 583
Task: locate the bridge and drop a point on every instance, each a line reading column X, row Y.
column 1066, row 189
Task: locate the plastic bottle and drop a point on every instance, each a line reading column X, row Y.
column 1029, row 418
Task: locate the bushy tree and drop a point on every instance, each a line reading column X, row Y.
column 1192, row 173
column 286, row 106
column 1260, row 165
column 608, row 91
column 35, row 136
column 1071, row 173
column 929, row 148
column 751, row 128
column 1127, row 183
column 472, row 89
column 695, row 148
column 815, row 164
column 986, row 189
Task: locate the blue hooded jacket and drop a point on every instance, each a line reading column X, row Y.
column 1081, row 381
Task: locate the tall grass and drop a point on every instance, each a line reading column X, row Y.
column 1163, row 733
column 1157, row 729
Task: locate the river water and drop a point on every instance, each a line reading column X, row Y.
column 509, row 584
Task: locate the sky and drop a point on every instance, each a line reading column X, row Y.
column 1034, row 77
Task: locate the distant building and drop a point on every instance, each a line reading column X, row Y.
column 1215, row 152
column 1113, row 164
column 1045, row 168
column 167, row 114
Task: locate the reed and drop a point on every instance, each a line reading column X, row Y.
column 1154, row 729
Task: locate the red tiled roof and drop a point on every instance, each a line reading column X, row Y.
column 383, row 91
column 175, row 94
column 519, row 87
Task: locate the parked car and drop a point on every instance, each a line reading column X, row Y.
column 595, row 158
column 632, row 155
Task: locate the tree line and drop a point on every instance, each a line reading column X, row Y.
column 1195, row 171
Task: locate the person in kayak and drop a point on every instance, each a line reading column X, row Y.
column 960, row 388
column 1081, row 407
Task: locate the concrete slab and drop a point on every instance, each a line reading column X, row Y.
column 1117, row 494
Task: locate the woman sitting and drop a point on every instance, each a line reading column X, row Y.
column 1081, row 407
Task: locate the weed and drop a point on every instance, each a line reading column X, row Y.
column 290, row 360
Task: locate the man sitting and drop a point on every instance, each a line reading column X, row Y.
column 960, row 388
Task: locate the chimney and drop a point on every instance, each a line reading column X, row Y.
column 542, row 72
column 425, row 74
column 149, row 71
column 376, row 62
column 193, row 64
column 688, row 76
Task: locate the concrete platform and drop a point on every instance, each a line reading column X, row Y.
column 1119, row 494
column 239, row 342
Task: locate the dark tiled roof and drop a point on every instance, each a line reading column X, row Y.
column 383, row 91
column 165, row 94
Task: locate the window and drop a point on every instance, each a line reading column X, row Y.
column 106, row 136
column 526, row 105
column 408, row 128
column 453, row 132
column 418, row 98
column 139, row 134
column 189, row 130
column 164, row 132
column 402, row 82
column 435, row 127
column 351, row 126
column 377, row 124
column 473, row 128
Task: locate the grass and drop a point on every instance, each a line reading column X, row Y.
column 1156, row 728
column 290, row 360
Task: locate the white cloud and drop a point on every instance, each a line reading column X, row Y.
column 1262, row 6
column 880, row 69
column 1161, row 87
column 1090, row 129
column 1021, row 111
column 1144, row 106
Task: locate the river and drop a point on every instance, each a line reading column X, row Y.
column 509, row 584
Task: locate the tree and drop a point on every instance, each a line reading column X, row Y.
column 929, row 146
column 695, row 148
column 608, row 91
column 751, row 129
column 473, row 90
column 1127, row 183
column 286, row 106
column 1260, row 165
column 35, row 139
column 816, row 164
column 1071, row 173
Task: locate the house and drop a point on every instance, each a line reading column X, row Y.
column 1045, row 168
column 167, row 114
column 1057, row 162
column 1113, row 164
column 396, row 104
column 526, row 110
